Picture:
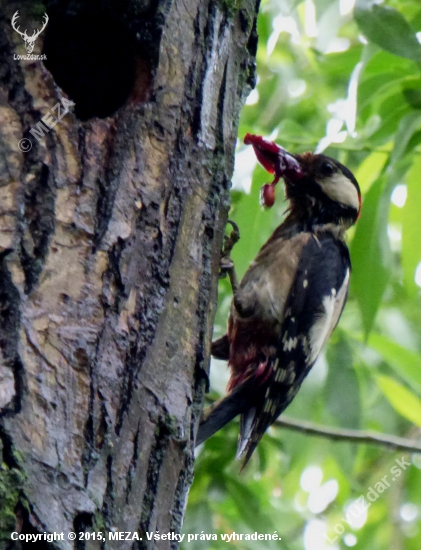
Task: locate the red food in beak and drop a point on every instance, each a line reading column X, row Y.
column 267, row 194
column 275, row 160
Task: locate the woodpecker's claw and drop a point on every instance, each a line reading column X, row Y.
column 226, row 265
column 233, row 238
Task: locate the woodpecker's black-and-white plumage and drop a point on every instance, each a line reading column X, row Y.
column 292, row 296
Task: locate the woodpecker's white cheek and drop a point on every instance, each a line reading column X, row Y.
column 340, row 189
column 324, row 325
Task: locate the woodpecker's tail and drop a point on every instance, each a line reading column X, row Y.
column 246, row 429
column 224, row 410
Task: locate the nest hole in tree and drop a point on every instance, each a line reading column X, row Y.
column 102, row 59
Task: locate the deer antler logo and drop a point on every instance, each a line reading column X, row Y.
column 29, row 40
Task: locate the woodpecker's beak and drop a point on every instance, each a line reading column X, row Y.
column 277, row 161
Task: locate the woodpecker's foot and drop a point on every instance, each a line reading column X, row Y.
column 226, row 265
column 232, row 239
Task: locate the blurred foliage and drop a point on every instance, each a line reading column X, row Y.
column 344, row 79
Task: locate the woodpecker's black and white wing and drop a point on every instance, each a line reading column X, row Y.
column 312, row 310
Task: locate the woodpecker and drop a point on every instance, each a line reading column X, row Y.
column 292, row 295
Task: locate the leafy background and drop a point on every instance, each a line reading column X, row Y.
column 345, row 79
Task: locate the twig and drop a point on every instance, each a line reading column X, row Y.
column 343, row 434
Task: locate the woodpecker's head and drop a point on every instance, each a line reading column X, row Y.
column 320, row 189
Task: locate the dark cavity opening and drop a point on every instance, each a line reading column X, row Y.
column 101, row 56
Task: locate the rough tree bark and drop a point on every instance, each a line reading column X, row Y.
column 112, row 225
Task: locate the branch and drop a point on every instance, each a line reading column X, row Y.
column 343, row 434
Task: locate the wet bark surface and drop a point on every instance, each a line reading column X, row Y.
column 110, row 232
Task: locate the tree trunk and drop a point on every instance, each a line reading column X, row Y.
column 111, row 226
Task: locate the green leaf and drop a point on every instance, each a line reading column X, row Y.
column 369, row 170
column 389, row 29
column 381, row 62
column 411, row 234
column 405, row 362
column 401, row 399
column 291, row 131
column 342, row 389
column 391, row 115
column 247, row 503
column 370, row 253
column 414, row 142
column 413, row 97
column 407, row 126
column 378, row 86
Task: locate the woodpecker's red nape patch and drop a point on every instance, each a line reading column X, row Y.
column 275, row 160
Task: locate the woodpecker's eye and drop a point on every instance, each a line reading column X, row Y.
column 327, row 169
